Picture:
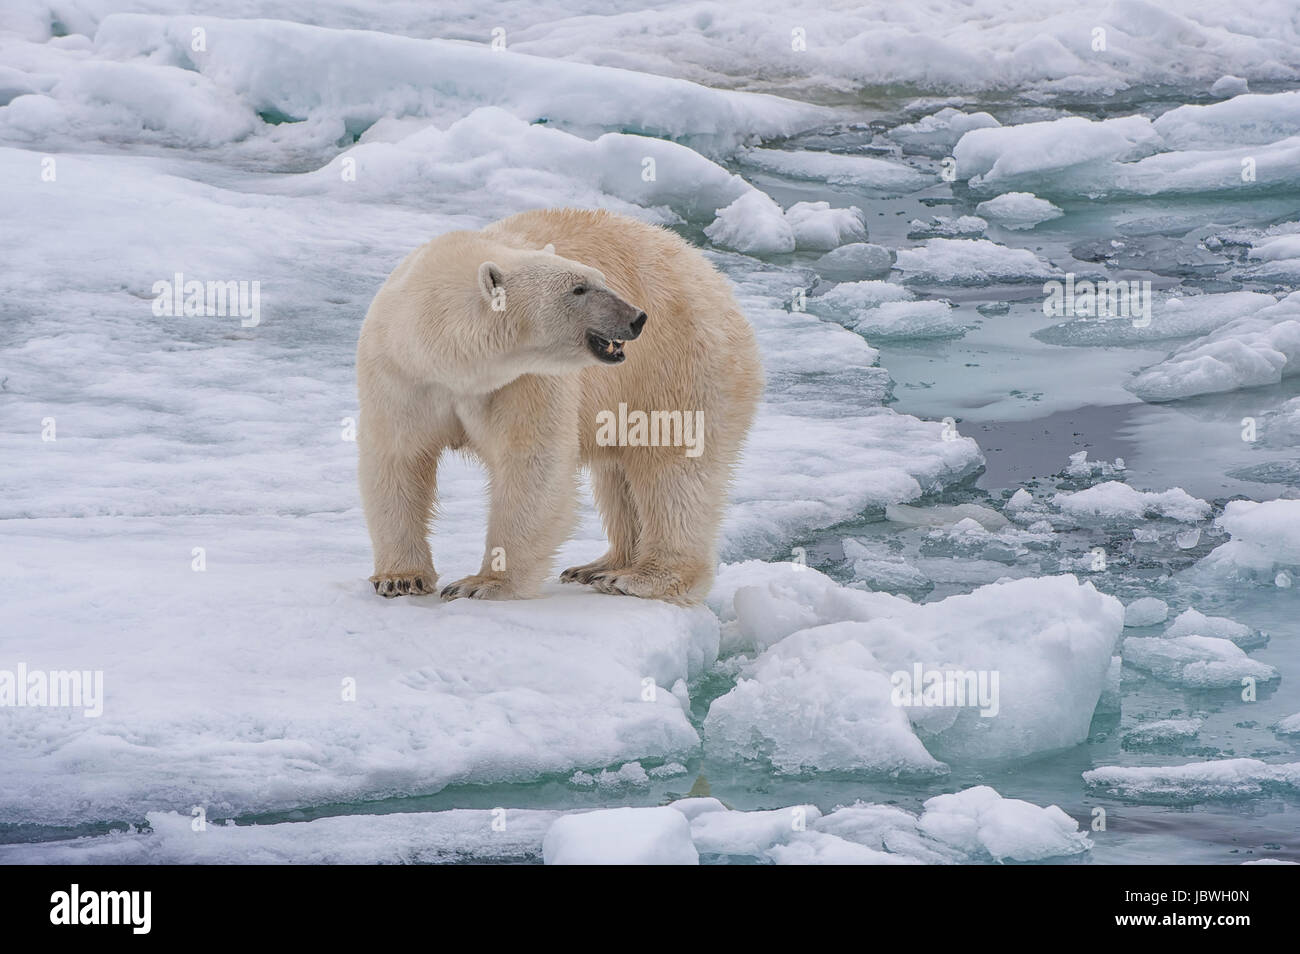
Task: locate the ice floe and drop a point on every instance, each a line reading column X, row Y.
column 971, row 262
column 1114, row 500
column 1195, row 781
column 1018, row 210
column 976, row 825
column 1258, row 349
column 1196, row 662
column 818, row 697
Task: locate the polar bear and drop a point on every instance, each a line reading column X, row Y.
column 547, row 341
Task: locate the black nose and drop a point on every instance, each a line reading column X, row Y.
column 637, row 324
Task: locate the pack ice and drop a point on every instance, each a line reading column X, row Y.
column 976, row 825
column 199, row 498
column 820, row 693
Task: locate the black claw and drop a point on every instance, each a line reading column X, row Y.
column 403, row 586
column 376, row 583
column 419, row 583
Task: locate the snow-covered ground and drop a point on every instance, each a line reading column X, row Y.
column 889, row 190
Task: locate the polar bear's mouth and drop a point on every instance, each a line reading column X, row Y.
column 606, row 350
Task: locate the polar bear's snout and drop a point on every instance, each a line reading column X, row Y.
column 618, row 323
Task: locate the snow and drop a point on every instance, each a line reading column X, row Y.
column 819, row 227
column 444, row 693
column 753, row 224
column 1187, row 172
column 971, row 262
column 876, row 177
column 1005, row 828
column 458, row 835
column 937, row 133
column 1146, row 611
column 1289, row 725
column 1045, row 46
column 1018, row 210
column 1279, row 255
column 352, row 78
column 104, row 100
column 846, row 465
column 760, row 603
column 747, row 834
column 910, row 319
column 1244, row 119
column 995, row 158
column 974, row 826
column 1113, row 500
column 1196, row 662
column 621, row 836
column 1195, row 781
column 1192, row 622
column 1171, row 317
column 817, row 848
column 878, row 309
column 1265, row 539
column 818, row 696
column 858, row 297
column 1248, row 352
column 818, row 702
column 500, row 160
column 1129, row 156
column 1229, row 86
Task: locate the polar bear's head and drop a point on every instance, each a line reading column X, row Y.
column 559, row 311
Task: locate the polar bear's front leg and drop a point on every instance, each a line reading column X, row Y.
column 525, row 435
column 397, row 493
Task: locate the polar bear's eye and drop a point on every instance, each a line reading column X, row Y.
column 580, row 290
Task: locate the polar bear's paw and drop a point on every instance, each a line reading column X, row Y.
column 390, row 585
column 586, row 572
column 479, row 587
column 651, row 583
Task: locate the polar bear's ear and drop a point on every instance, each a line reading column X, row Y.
column 490, row 279
column 549, row 249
